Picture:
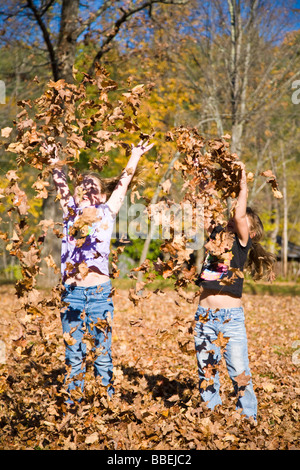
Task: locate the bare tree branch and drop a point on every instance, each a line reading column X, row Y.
column 46, row 36
column 124, row 17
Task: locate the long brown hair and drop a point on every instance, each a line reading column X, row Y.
column 260, row 262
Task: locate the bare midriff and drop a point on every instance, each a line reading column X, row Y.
column 91, row 279
column 213, row 299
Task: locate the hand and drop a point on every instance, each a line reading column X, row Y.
column 243, row 180
column 52, row 151
column 141, row 148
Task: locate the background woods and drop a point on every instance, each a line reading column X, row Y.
column 220, row 66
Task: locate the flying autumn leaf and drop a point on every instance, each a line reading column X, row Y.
column 271, row 179
column 69, row 339
column 242, row 380
column 41, row 189
column 166, row 185
column 6, row 131
column 221, row 340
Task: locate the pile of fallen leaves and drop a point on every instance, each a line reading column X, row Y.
column 156, row 404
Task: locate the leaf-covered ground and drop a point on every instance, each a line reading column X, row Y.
column 157, row 403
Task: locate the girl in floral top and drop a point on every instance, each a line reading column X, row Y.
column 89, row 217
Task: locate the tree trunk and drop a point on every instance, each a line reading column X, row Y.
column 52, row 244
column 275, row 214
column 154, row 201
column 234, row 69
column 66, row 49
column 240, row 59
column 65, row 58
column 284, row 247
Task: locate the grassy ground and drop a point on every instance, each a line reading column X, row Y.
column 250, row 287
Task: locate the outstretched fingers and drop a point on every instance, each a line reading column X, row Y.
column 142, row 147
column 146, row 147
column 52, row 152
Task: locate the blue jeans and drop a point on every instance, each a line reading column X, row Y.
column 231, row 323
column 89, row 311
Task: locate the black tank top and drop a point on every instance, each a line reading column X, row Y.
column 215, row 274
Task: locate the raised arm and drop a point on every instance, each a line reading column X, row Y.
column 116, row 199
column 59, row 177
column 240, row 216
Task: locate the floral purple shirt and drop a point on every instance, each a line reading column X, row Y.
column 91, row 250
